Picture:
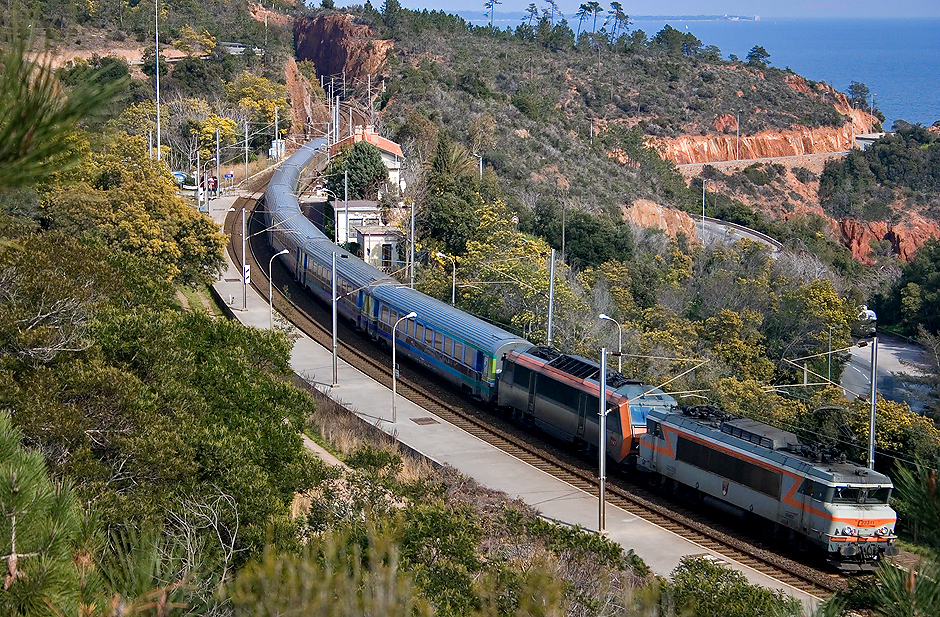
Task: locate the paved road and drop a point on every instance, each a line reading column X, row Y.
column 895, row 356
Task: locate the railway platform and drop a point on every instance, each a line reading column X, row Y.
column 446, row 444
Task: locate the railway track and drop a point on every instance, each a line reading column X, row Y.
column 311, row 317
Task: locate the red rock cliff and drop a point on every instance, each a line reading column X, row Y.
column 905, row 237
column 336, row 44
column 773, row 143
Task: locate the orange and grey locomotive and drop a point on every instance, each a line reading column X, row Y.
column 755, row 470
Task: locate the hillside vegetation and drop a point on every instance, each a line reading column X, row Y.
column 151, row 458
column 549, row 113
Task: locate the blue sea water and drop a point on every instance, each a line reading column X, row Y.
column 898, row 59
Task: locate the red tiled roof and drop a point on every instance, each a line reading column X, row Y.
column 385, row 145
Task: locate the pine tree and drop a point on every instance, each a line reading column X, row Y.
column 41, row 520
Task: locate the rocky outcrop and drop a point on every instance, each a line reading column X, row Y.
column 905, row 237
column 646, row 213
column 766, row 144
column 308, row 112
column 337, row 45
column 727, row 145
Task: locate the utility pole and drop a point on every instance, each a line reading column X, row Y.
column 156, row 33
column 551, row 297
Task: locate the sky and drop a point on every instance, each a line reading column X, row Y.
column 762, row 8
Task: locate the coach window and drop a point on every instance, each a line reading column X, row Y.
column 394, row 318
column 448, row 346
column 409, row 327
column 458, row 352
column 419, row 332
column 384, row 314
column 468, row 356
column 438, row 340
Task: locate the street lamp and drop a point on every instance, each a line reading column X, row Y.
column 333, row 299
column 203, row 169
column 619, row 341
column 410, row 315
column 411, row 258
column 602, row 441
column 271, row 289
column 869, row 319
column 453, row 285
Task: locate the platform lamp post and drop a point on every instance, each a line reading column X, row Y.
column 156, row 43
column 551, row 297
column 271, row 288
column 602, row 442
column 453, row 284
column 246, row 268
column 619, row 341
column 869, row 319
column 333, row 300
column 410, row 315
column 411, row 255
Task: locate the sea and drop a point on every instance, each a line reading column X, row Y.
column 898, row 59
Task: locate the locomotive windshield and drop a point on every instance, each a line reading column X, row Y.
column 852, row 494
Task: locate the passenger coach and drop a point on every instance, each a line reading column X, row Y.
column 462, row 349
column 559, row 394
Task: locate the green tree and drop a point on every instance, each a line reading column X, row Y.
column 914, row 299
column 39, row 531
column 758, row 56
column 335, row 576
column 37, row 115
column 858, row 94
column 129, row 201
column 367, row 173
column 709, row 589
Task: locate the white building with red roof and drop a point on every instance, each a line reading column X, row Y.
column 391, row 152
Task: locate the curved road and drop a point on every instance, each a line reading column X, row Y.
column 895, row 355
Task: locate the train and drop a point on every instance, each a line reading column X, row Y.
column 744, row 467
column 757, row 471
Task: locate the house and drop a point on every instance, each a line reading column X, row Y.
column 391, row 152
column 355, row 213
column 381, row 246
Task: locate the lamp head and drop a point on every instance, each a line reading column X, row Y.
column 441, row 255
column 411, row 315
column 283, row 252
column 604, row 316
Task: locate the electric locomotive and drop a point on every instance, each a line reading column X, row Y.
column 754, row 470
column 559, row 394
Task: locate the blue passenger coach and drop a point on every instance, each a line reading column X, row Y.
column 462, row 349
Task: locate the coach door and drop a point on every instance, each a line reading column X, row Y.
column 582, row 411
column 530, row 408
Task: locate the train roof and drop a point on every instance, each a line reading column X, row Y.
column 588, row 370
column 452, row 321
column 768, row 442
